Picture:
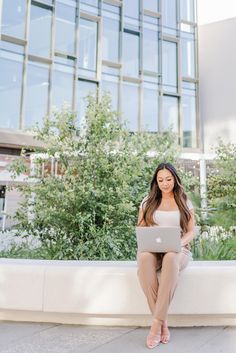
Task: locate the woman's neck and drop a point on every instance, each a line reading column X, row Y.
column 170, row 195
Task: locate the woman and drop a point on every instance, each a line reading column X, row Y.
column 166, row 205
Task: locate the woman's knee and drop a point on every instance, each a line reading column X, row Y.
column 171, row 257
column 146, row 259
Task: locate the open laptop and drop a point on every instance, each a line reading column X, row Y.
column 158, row 239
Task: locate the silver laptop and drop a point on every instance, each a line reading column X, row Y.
column 158, row 239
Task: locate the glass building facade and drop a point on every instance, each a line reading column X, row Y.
column 144, row 52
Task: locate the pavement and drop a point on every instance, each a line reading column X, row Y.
column 27, row 337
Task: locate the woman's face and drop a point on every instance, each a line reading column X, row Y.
column 165, row 181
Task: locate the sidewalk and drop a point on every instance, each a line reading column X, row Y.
column 24, row 337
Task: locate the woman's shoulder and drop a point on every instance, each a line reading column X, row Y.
column 144, row 200
column 189, row 204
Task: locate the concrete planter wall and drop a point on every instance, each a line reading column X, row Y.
column 108, row 293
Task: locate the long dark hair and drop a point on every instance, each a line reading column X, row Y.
column 153, row 200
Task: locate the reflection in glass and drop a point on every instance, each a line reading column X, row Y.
column 62, row 85
column 13, row 18
column 151, row 5
column 36, row 93
column 11, row 66
column 188, row 56
column 189, row 120
column 111, row 33
column 40, row 31
column 90, row 2
column 187, row 10
column 150, row 108
column 110, row 86
column 170, row 113
column 131, row 8
column 65, row 28
column 84, row 88
column 88, row 44
column 169, row 15
column 150, row 48
column 130, row 105
column 131, row 54
column 169, row 61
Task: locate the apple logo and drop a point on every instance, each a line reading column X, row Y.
column 158, row 240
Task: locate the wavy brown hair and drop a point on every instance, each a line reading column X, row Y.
column 153, row 201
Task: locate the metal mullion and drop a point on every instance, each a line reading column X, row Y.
column 76, row 61
column 13, row 40
column 25, row 66
column 113, row 2
column 160, row 69
column 120, row 98
column 199, row 122
column 52, row 49
column 90, row 17
column 141, row 89
column 179, row 77
column 42, row 5
column 99, row 53
column 151, row 13
column 39, row 59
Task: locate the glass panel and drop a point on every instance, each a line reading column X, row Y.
column 62, row 85
column 110, row 85
column 84, row 88
column 90, row 2
column 189, row 121
column 130, row 105
column 150, row 48
column 40, row 31
column 151, row 5
column 169, row 16
column 90, row 6
column 88, row 44
column 131, row 8
column 11, row 66
column 187, row 10
column 111, row 33
column 36, row 93
column 150, row 108
column 13, row 18
column 170, row 113
column 169, row 60
column 65, row 28
column 188, row 56
column 131, row 54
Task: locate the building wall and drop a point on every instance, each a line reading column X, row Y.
column 217, row 81
column 55, row 51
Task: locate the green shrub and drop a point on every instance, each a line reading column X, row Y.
column 89, row 210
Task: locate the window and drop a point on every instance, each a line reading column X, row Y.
column 187, row 10
column 188, row 55
column 131, row 8
column 13, row 18
column 131, row 54
column 111, row 34
column 11, row 68
column 84, row 88
column 170, row 113
column 169, row 16
column 40, row 31
column 37, row 93
column 110, row 85
column 65, row 28
column 151, row 5
column 169, row 61
column 189, row 115
column 130, row 105
column 62, row 85
column 150, row 107
column 88, row 45
column 150, row 47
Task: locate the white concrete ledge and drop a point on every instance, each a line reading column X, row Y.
column 108, row 293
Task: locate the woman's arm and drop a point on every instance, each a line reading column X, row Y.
column 190, row 234
column 140, row 217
